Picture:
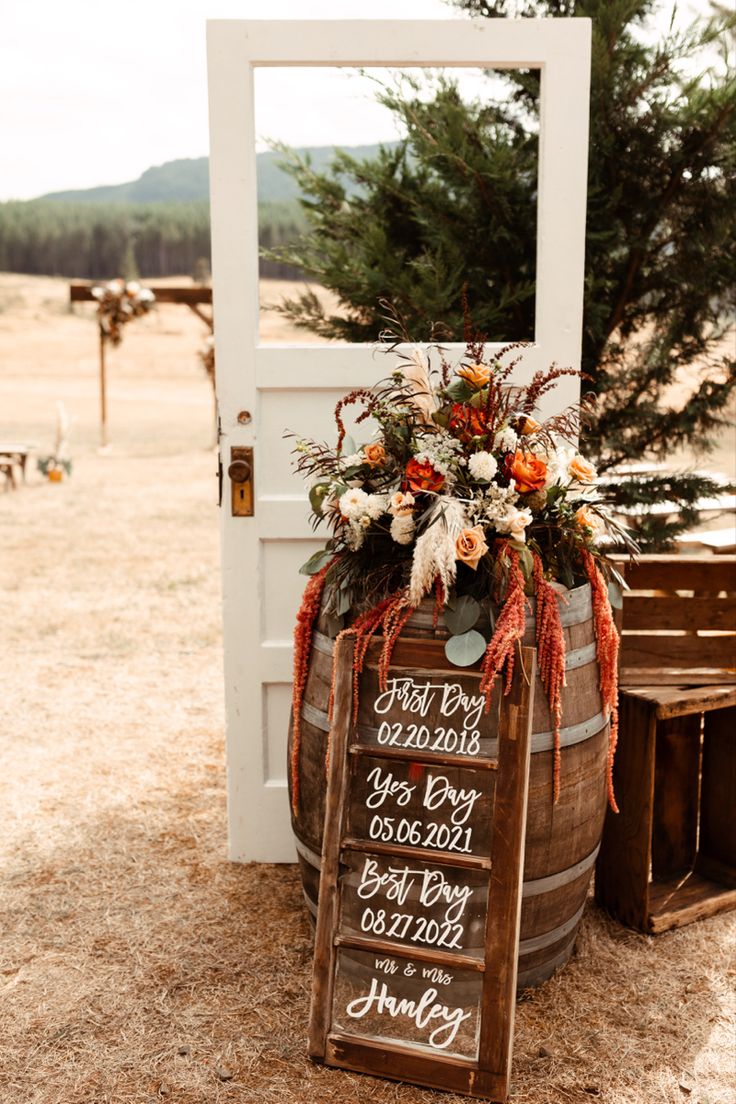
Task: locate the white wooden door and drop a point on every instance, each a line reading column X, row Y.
column 297, row 386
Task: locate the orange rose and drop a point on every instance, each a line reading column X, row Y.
column 527, row 426
column 527, row 470
column 421, row 476
column 477, row 375
column 470, row 546
column 582, row 470
column 587, row 519
column 374, row 454
column 467, row 422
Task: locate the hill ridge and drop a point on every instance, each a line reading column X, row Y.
column 186, row 179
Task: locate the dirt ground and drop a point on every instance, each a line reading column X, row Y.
column 136, row 963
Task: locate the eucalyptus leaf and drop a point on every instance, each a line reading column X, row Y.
column 526, row 560
column 463, row 616
column 344, row 601
column 615, row 595
column 348, row 445
column 460, row 391
column 335, row 624
column 316, row 562
column 465, row 649
column 317, row 495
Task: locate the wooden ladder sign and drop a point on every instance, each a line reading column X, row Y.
column 420, row 895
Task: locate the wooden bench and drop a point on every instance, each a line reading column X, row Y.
column 14, row 455
column 669, row 856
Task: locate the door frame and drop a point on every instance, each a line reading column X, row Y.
column 560, row 48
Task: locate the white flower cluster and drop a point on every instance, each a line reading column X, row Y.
column 440, row 450
column 483, row 465
column 354, row 535
column 401, row 508
column 506, row 440
column 356, row 505
column 494, row 502
column 402, row 528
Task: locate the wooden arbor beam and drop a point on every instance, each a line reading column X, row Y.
column 193, row 297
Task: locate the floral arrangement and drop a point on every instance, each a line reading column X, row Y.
column 460, row 494
column 57, row 463
column 119, row 302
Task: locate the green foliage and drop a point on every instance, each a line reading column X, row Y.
column 644, row 498
column 412, row 223
column 454, row 203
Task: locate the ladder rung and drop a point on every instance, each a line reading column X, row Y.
column 410, row 755
column 408, row 950
column 423, row 854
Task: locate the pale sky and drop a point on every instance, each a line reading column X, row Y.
column 94, row 93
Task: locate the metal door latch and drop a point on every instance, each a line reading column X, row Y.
column 240, row 470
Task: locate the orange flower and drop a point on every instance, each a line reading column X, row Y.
column 587, row 519
column 421, row 476
column 527, row 426
column 467, row 422
column 528, row 471
column 582, row 470
column 477, row 375
column 374, row 454
column 470, row 546
column 401, row 504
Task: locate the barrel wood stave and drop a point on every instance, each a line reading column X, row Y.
column 562, row 839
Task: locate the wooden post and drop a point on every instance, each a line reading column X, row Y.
column 103, row 391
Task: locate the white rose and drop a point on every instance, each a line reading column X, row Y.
column 515, row 523
column 402, row 528
column 483, row 465
column 354, row 503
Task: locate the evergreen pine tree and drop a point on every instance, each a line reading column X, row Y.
column 453, row 204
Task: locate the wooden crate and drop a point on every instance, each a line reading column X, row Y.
column 669, row 856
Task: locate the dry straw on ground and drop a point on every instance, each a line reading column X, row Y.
column 136, row 963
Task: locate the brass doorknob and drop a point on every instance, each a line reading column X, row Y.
column 239, row 471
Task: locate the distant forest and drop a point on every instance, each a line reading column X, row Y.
column 157, row 225
column 98, row 241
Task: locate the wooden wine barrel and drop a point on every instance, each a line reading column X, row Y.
column 562, row 839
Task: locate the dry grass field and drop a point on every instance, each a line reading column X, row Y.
column 136, row 963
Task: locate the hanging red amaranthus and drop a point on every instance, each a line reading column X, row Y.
column 550, row 656
column 308, row 613
column 509, row 630
column 440, row 597
column 607, row 641
column 390, row 615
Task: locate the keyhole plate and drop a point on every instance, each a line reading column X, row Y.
column 241, row 494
